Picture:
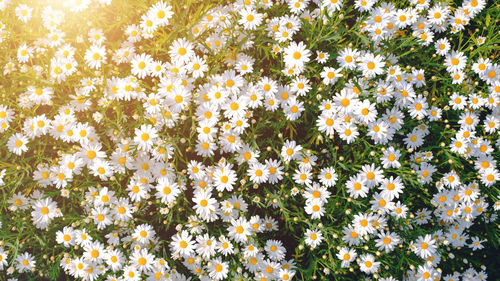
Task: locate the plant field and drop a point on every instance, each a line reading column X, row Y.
column 249, row 140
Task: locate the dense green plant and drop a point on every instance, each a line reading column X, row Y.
column 249, row 140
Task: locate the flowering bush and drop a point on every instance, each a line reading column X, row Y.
column 249, row 140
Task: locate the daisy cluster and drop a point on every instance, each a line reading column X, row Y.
column 250, row 140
